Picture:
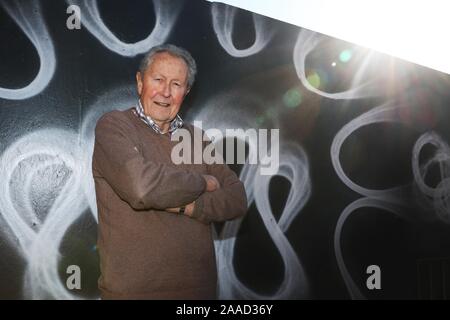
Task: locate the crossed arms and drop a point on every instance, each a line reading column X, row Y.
column 144, row 184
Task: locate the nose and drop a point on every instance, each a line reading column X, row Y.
column 166, row 90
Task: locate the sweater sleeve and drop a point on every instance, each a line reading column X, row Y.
column 142, row 183
column 228, row 202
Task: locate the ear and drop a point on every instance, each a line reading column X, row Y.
column 139, row 82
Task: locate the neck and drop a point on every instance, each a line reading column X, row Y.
column 164, row 126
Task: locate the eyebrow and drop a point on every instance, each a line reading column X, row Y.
column 163, row 76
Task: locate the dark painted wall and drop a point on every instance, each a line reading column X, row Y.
column 364, row 160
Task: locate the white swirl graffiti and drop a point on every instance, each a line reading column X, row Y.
column 389, row 199
column 242, row 110
column 27, row 163
column 46, row 186
column 384, row 113
column 223, row 23
column 294, row 167
column 366, row 202
column 394, row 200
column 307, row 41
column 440, row 194
column 166, row 14
column 28, row 17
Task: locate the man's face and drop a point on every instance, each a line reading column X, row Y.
column 162, row 88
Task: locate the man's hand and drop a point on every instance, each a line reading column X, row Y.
column 212, row 184
column 189, row 209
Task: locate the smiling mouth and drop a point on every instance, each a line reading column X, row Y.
column 161, row 104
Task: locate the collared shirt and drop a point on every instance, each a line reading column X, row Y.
column 174, row 124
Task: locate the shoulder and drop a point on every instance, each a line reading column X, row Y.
column 115, row 115
column 115, row 119
column 195, row 131
column 191, row 128
column 188, row 126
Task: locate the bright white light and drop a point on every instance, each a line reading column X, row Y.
column 413, row 30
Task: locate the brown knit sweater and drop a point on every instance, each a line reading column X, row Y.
column 145, row 251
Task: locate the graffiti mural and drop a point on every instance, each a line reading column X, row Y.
column 364, row 156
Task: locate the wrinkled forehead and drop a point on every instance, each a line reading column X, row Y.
column 166, row 60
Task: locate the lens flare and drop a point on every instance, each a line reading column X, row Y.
column 345, row 56
column 292, row 98
column 314, row 80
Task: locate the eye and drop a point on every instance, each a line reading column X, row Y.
column 177, row 84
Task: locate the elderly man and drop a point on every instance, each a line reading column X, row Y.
column 155, row 232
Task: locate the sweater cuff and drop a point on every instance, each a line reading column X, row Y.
column 199, row 209
column 203, row 182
